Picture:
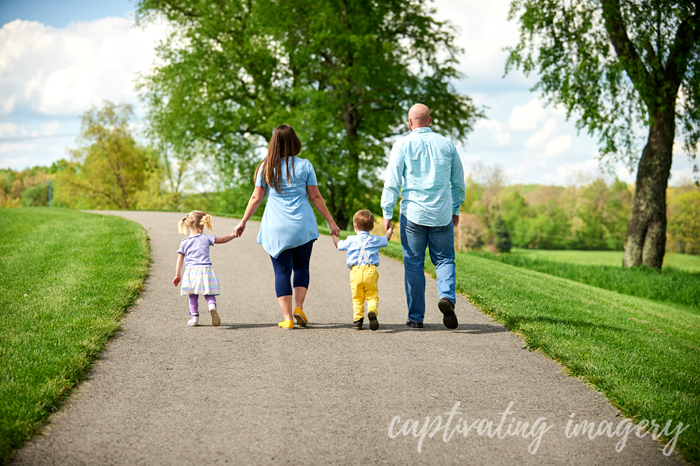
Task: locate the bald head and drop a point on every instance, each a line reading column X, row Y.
column 419, row 116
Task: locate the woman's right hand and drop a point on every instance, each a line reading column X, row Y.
column 238, row 230
column 335, row 230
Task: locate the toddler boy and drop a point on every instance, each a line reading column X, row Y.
column 363, row 259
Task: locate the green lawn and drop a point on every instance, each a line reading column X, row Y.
column 670, row 286
column 643, row 355
column 614, row 258
column 66, row 279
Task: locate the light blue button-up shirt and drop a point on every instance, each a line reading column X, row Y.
column 353, row 244
column 426, row 170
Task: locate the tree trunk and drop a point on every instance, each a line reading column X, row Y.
column 646, row 231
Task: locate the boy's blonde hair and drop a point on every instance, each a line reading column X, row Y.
column 193, row 221
column 363, row 220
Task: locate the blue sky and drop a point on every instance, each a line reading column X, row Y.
column 60, row 14
column 58, row 59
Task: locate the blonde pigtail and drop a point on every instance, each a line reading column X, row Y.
column 206, row 222
column 181, row 226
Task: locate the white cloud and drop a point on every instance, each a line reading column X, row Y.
column 494, row 127
column 540, row 138
column 7, row 105
column 67, row 71
column 558, row 146
column 527, row 117
column 483, row 32
column 9, row 129
column 15, row 164
column 47, row 129
column 622, row 172
column 16, row 147
column 565, row 171
column 682, row 176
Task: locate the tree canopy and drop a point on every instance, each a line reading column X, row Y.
column 343, row 73
column 621, row 66
column 109, row 168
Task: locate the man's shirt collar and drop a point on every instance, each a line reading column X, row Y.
column 423, row 129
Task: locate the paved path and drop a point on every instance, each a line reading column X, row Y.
column 248, row 392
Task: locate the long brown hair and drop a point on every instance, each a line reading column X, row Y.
column 284, row 144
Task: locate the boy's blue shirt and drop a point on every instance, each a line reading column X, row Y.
column 353, row 243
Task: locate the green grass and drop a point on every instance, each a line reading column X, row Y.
column 669, row 286
column 66, row 279
column 612, row 258
column 643, row 355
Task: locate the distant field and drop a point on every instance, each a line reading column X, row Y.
column 679, row 261
column 670, row 286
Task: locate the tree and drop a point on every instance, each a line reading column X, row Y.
column 492, row 179
column 110, row 166
column 621, row 63
column 603, row 211
column 685, row 225
column 342, row 72
column 500, row 230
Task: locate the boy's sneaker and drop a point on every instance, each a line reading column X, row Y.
column 449, row 318
column 357, row 325
column 215, row 321
column 194, row 321
column 373, row 322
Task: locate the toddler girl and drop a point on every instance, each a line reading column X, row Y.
column 199, row 278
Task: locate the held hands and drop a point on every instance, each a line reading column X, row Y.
column 335, row 240
column 335, row 230
column 176, row 280
column 238, row 230
column 387, row 225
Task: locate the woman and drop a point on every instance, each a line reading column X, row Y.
column 288, row 228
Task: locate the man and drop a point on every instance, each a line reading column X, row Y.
column 426, row 169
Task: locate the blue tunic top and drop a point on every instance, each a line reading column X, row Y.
column 289, row 219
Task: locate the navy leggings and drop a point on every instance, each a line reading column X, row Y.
column 296, row 260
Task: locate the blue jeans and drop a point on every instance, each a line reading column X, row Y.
column 440, row 241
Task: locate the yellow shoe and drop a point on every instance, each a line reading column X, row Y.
column 288, row 324
column 300, row 317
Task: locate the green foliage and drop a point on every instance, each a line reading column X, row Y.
column 640, row 354
column 26, row 187
column 621, row 65
column 614, row 63
column 604, row 213
column 110, row 170
column 109, row 167
column 500, row 230
column 85, row 270
column 669, row 286
column 591, row 216
column 684, row 225
column 343, row 74
column 36, row 196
